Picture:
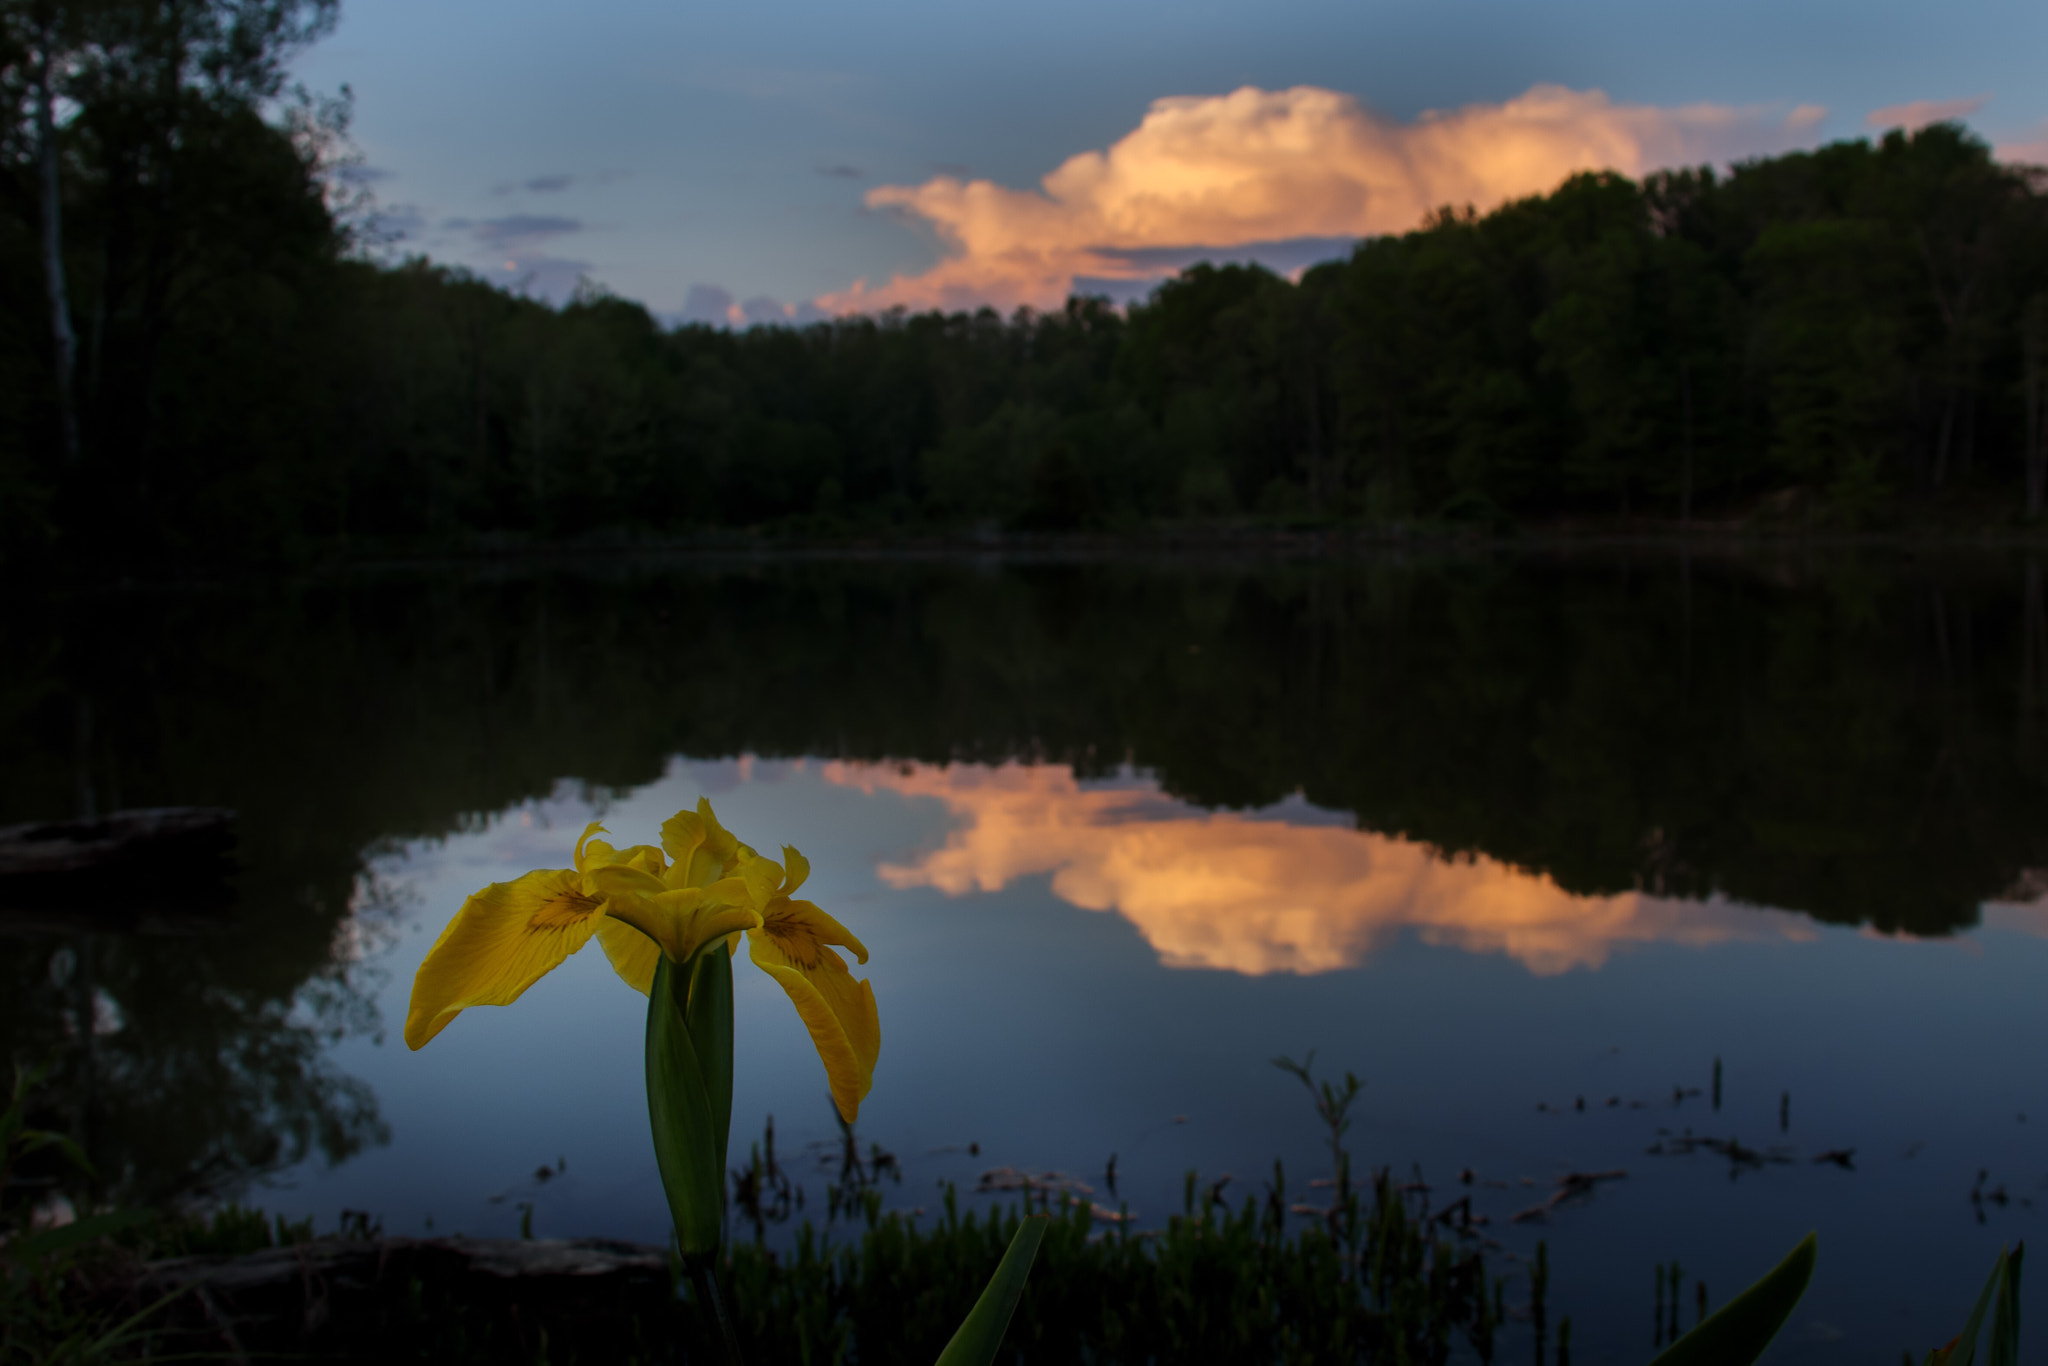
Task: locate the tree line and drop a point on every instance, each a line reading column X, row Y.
column 199, row 359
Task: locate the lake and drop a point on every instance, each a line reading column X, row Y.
column 1726, row 872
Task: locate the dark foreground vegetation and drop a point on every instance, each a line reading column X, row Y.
column 1362, row 1276
column 1212, row 1286
column 198, row 361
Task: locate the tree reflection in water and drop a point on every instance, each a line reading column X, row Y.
column 1856, row 737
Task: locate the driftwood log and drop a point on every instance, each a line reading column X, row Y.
column 160, row 868
column 441, row 1299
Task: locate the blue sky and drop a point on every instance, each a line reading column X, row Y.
column 679, row 151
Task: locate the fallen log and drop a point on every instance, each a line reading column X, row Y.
column 356, row 1299
column 136, row 841
column 152, row 870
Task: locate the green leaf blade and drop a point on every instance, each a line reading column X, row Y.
column 981, row 1333
column 1963, row 1350
column 679, row 1110
column 2004, row 1349
column 708, row 1013
column 1737, row 1333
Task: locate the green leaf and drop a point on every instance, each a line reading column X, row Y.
column 708, row 1012
column 981, row 1333
column 687, row 1147
column 1737, row 1333
column 35, row 1140
column 1962, row 1348
column 2004, row 1349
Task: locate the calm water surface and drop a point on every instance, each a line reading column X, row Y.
column 1504, row 837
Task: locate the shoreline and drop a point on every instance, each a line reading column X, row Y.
column 1194, row 544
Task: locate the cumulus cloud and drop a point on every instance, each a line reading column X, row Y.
column 717, row 307
column 518, row 258
column 554, row 278
column 2028, row 149
column 707, row 304
column 1917, row 114
column 1285, row 890
column 1204, row 173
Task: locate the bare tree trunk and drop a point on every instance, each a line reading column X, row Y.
column 1685, row 467
column 2034, row 338
column 2033, row 652
column 1948, row 422
column 63, row 339
column 1316, row 472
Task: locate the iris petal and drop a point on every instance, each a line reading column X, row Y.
column 633, row 955
column 797, row 869
column 700, row 850
column 802, row 921
column 837, row 1009
column 685, row 919
column 503, row 940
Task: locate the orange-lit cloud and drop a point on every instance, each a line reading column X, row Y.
column 1269, row 165
column 2020, row 917
column 2029, row 149
column 1917, row 114
column 1256, row 894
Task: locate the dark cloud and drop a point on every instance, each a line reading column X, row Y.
column 716, row 307
column 761, row 310
column 1286, row 255
column 514, row 230
column 363, row 175
column 1118, row 291
column 396, row 222
column 554, row 182
column 841, row 172
column 553, row 278
column 957, row 169
column 706, row 304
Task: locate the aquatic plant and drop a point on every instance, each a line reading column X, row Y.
column 2001, row 1298
column 669, row 919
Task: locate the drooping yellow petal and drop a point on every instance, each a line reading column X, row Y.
column 792, row 946
column 804, row 930
column 503, row 940
column 633, row 955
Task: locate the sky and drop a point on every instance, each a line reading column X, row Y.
column 787, row 159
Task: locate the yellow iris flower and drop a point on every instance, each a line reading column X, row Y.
column 641, row 903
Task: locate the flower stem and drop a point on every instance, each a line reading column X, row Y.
column 711, row 1297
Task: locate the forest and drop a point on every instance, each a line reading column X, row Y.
column 205, row 359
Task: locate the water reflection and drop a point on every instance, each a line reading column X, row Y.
column 178, row 1073
column 1285, row 889
column 1860, row 741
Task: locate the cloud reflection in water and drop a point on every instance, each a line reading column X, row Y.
column 1285, row 889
